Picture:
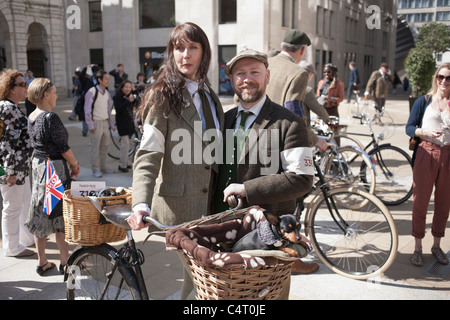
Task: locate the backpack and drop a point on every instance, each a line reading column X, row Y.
column 79, row 108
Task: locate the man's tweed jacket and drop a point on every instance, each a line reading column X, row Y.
column 175, row 193
column 276, row 192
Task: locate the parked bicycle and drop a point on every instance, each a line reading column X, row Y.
column 135, row 141
column 393, row 166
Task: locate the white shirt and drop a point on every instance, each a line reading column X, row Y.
column 255, row 110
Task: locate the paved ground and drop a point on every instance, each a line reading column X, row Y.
column 19, row 281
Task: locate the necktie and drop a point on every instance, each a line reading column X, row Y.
column 240, row 134
column 207, row 113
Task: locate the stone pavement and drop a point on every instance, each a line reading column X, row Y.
column 163, row 271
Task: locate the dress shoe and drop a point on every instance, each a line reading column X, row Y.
column 123, row 169
column 301, row 267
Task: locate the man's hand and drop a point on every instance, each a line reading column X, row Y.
column 322, row 144
column 234, row 189
column 136, row 220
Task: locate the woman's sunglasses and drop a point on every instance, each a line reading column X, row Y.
column 21, row 84
column 440, row 77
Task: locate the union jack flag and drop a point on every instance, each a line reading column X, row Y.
column 54, row 189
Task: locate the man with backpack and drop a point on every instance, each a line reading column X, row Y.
column 98, row 106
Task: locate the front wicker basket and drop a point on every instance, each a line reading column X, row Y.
column 82, row 220
column 259, row 283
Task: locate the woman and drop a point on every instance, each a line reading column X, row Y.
column 332, row 89
column 430, row 123
column 125, row 102
column 15, row 157
column 172, row 111
column 49, row 139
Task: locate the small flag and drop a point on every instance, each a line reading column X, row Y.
column 54, row 189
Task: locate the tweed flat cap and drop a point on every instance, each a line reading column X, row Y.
column 296, row 36
column 247, row 53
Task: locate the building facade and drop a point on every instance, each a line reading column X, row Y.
column 55, row 37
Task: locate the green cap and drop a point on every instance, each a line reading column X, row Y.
column 296, row 36
column 247, row 53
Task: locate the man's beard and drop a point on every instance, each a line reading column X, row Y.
column 247, row 97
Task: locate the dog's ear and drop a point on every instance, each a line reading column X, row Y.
column 273, row 219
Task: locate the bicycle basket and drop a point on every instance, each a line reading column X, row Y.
column 247, row 275
column 84, row 224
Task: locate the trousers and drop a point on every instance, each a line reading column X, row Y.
column 100, row 145
column 431, row 169
column 16, row 204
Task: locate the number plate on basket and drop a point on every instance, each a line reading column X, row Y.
column 86, row 188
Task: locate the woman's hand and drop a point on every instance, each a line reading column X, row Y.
column 434, row 133
column 11, row 180
column 75, row 169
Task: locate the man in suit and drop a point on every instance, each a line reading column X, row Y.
column 353, row 80
column 378, row 85
column 268, row 130
column 288, row 81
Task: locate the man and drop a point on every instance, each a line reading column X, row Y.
column 119, row 76
column 353, row 80
column 378, row 85
column 97, row 109
column 289, row 81
column 274, row 185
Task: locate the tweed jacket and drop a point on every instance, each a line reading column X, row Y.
column 175, row 182
column 311, row 104
column 378, row 86
column 276, row 189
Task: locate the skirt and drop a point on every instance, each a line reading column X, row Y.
column 38, row 222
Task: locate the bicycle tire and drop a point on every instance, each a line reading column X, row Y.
column 370, row 242
column 89, row 272
column 114, row 150
column 357, row 169
column 394, row 171
column 346, row 140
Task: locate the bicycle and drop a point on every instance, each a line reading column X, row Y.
column 135, row 141
column 393, row 166
column 357, row 241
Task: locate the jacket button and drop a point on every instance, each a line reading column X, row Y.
column 207, row 167
column 205, row 190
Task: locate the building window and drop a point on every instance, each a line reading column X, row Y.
column 226, row 53
column 95, row 16
column 443, row 3
column 443, row 16
column 157, row 13
column 151, row 60
column 96, row 57
column 228, row 11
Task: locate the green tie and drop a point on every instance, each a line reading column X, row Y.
column 207, row 113
column 240, row 135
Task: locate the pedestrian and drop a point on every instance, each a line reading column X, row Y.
column 179, row 102
column 97, row 110
column 378, row 85
column 405, row 84
column 15, row 158
column 29, row 78
column 77, row 91
column 353, row 80
column 252, row 122
column 49, row 139
column 429, row 122
column 331, row 89
column 140, row 84
column 119, row 76
column 311, row 104
column 125, row 103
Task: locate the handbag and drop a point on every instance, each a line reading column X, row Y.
column 413, row 143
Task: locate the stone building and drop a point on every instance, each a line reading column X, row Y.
column 54, row 37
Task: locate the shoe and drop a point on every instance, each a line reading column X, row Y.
column 123, row 169
column 440, row 256
column 417, row 258
column 40, row 269
column 97, row 174
column 72, row 118
column 301, row 267
column 108, row 171
column 61, row 268
column 129, row 167
column 25, row 253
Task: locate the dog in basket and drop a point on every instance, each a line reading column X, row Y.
column 275, row 233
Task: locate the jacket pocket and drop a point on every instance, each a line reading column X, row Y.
column 170, row 189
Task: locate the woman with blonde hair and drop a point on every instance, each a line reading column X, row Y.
column 15, row 156
column 49, row 139
column 429, row 123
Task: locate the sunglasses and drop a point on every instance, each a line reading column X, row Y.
column 327, row 71
column 440, row 77
column 21, row 84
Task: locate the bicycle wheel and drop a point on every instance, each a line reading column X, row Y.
column 357, row 244
column 114, row 150
column 350, row 166
column 94, row 275
column 384, row 125
column 349, row 141
column 394, row 171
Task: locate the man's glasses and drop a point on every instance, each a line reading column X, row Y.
column 21, row 84
column 440, row 77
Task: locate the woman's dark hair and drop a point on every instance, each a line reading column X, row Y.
column 122, row 84
column 170, row 82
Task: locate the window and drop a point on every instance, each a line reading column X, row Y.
column 226, row 53
column 228, row 11
column 96, row 57
column 157, row 13
column 95, row 16
column 443, row 3
column 443, row 16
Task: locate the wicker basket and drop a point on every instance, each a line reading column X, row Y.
column 82, row 220
column 260, row 283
